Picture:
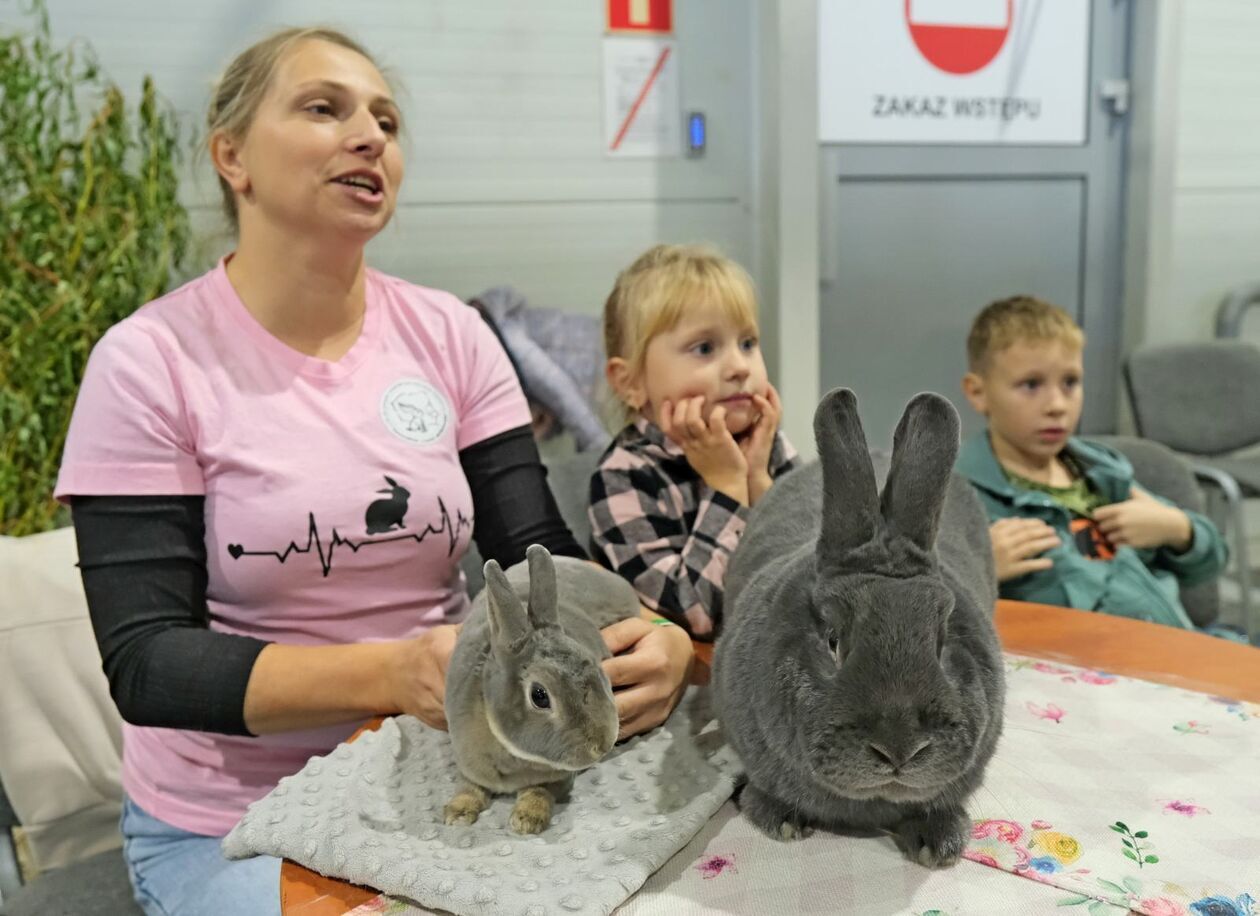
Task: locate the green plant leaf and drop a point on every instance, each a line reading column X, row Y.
column 1152, row 859
column 1123, row 826
column 1074, row 900
column 91, row 228
column 1111, row 887
column 1128, row 853
column 1141, row 834
column 1129, row 843
column 1132, row 884
column 1118, row 829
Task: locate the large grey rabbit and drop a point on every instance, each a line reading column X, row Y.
column 527, row 701
column 859, row 675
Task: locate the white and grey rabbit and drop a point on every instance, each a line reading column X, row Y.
column 527, row 701
column 859, row 676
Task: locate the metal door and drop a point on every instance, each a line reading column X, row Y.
column 916, row 239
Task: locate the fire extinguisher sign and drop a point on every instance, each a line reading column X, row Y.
column 953, row 71
column 641, row 17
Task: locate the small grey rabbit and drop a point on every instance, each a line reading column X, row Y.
column 527, row 702
column 859, row 676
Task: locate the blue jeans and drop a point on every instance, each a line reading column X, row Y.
column 177, row 873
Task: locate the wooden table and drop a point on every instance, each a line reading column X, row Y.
column 1129, row 647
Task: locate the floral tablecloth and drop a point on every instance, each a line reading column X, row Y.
column 1106, row 795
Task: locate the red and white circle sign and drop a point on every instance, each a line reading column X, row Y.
column 959, row 36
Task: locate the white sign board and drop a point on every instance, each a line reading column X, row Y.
column 642, row 104
column 953, row 71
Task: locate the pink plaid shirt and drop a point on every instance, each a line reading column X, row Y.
column 660, row 526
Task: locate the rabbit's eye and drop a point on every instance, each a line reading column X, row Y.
column 539, row 697
column 833, row 646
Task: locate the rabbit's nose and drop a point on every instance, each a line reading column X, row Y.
column 601, row 745
column 882, row 754
column 898, row 757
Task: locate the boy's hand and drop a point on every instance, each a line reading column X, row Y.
column 710, row 448
column 1143, row 521
column 759, row 442
column 1017, row 543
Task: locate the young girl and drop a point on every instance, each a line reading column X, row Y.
column 671, row 494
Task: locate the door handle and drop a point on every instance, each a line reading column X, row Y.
column 1115, row 95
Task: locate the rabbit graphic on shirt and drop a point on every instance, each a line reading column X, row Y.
column 389, row 513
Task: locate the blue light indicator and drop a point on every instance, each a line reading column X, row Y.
column 695, row 133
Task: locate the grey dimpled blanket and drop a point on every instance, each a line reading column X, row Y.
column 370, row 812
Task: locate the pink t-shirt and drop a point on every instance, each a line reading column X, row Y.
column 336, row 508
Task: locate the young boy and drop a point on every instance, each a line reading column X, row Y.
column 1070, row 527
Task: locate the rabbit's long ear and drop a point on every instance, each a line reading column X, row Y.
column 509, row 625
column 542, row 586
column 924, row 449
column 850, row 509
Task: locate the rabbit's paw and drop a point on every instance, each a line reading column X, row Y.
column 466, row 806
column 771, row 816
column 936, row 839
column 532, row 811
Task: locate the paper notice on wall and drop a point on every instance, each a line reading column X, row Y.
column 642, row 101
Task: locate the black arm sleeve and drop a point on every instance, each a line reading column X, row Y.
column 143, row 562
column 512, row 503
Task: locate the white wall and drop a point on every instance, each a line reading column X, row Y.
column 787, row 177
column 1194, row 165
column 1207, row 225
column 507, row 181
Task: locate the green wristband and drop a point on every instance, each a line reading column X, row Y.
column 662, row 622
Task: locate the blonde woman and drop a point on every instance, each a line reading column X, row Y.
column 274, row 471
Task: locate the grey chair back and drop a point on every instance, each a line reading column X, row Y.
column 1233, row 309
column 570, row 480
column 1197, row 398
column 1164, row 473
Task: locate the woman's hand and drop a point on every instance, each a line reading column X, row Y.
column 418, row 674
column 649, row 671
column 710, row 448
column 759, row 443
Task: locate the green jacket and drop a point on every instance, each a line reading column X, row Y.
column 1144, row 584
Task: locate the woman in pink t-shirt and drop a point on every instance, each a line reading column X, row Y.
column 274, row 471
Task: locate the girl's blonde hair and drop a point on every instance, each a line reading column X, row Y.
column 651, row 295
column 238, row 92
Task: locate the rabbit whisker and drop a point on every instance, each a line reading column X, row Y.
column 1057, row 735
column 1029, row 774
column 1001, row 804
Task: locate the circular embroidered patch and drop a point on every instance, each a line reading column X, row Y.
column 415, row 411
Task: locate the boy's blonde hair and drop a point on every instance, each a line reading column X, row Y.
column 1018, row 319
column 650, row 296
column 245, row 81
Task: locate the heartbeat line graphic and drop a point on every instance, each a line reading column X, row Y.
column 451, row 528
